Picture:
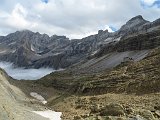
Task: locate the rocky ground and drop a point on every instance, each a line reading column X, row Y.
column 130, row 91
column 110, row 107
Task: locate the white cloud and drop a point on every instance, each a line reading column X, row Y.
column 25, row 74
column 108, row 28
column 148, row 2
column 74, row 18
column 17, row 17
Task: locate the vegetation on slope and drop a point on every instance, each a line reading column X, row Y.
column 131, row 77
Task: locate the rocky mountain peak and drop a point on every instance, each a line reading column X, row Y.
column 138, row 17
column 103, row 31
column 100, row 31
column 24, row 32
column 132, row 25
column 135, row 21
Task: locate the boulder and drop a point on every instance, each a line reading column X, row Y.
column 112, row 109
column 157, row 107
column 95, row 108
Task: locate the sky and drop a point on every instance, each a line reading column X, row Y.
column 72, row 18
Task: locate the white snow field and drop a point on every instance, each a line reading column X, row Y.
column 51, row 115
column 38, row 97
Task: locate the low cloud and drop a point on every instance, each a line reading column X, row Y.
column 25, row 74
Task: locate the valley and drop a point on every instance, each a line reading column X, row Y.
column 106, row 76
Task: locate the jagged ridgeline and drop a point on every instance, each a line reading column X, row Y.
column 29, row 49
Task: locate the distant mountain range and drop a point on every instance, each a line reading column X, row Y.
column 34, row 50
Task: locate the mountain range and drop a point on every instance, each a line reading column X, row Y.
column 107, row 76
column 34, row 50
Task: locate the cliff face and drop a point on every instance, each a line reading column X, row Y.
column 141, row 41
column 40, row 50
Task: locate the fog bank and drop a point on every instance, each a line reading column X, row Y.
column 25, row 74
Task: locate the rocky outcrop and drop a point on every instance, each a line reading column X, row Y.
column 143, row 41
column 132, row 26
column 112, row 110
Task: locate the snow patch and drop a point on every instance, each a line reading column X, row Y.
column 32, row 48
column 94, row 52
column 12, row 43
column 51, row 115
column 108, row 39
column 57, row 53
column 38, row 97
column 3, row 51
column 79, row 43
column 117, row 39
column 13, row 51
